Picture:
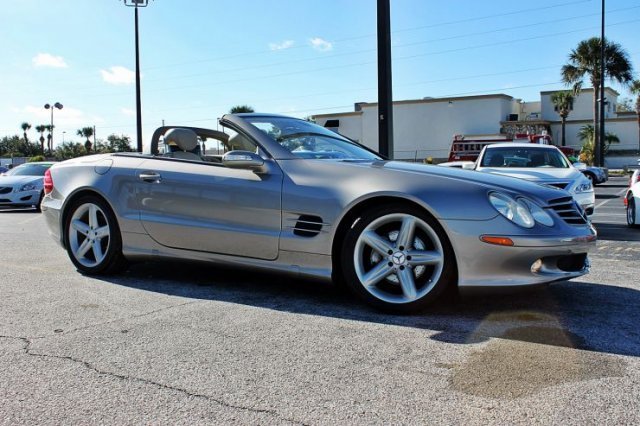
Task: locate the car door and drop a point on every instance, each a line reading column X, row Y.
column 211, row 208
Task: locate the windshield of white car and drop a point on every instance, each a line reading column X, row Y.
column 308, row 140
column 28, row 170
column 522, row 157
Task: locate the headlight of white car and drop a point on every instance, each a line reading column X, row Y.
column 516, row 211
column 27, row 187
column 582, row 186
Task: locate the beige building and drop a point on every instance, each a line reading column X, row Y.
column 425, row 127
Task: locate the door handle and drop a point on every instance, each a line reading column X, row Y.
column 150, row 177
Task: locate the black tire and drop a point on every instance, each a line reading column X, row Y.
column 631, row 213
column 38, row 206
column 388, row 294
column 592, row 178
column 110, row 260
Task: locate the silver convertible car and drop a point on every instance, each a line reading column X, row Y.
column 279, row 193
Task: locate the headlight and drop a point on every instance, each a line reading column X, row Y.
column 582, row 187
column 539, row 215
column 27, row 187
column 515, row 211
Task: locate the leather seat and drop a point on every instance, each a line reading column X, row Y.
column 182, row 144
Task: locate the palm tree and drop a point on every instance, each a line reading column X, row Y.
column 86, row 132
column 241, row 108
column 49, row 129
column 584, row 62
column 25, row 128
column 635, row 89
column 40, row 128
column 563, row 101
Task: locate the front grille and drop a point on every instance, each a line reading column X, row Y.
column 568, row 210
column 5, row 189
column 561, row 185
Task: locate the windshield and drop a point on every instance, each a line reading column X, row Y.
column 524, row 157
column 308, row 140
column 28, row 170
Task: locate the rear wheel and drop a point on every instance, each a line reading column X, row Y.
column 631, row 213
column 397, row 258
column 92, row 237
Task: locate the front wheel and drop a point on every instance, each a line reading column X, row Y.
column 92, row 237
column 398, row 259
column 631, row 213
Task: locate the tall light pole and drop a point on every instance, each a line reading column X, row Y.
column 63, row 133
column 52, row 107
column 385, row 96
column 136, row 4
column 600, row 154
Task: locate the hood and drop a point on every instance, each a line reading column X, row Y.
column 506, row 183
column 20, row 180
column 538, row 175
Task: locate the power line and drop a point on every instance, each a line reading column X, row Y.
column 440, row 52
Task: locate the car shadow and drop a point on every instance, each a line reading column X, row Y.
column 18, row 210
column 580, row 315
column 616, row 232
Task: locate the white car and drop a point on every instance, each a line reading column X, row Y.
column 22, row 186
column 544, row 164
column 632, row 200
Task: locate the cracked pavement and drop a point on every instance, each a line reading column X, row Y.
column 170, row 343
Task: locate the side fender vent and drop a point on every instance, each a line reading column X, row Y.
column 308, row 226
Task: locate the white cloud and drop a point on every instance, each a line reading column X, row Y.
column 321, row 44
column 118, row 75
column 66, row 117
column 48, row 60
column 281, row 46
column 128, row 112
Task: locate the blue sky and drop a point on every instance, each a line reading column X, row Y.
column 296, row 57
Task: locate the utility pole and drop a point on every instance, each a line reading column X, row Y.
column 94, row 138
column 385, row 96
column 600, row 148
column 136, row 4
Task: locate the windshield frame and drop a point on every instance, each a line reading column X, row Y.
column 251, row 120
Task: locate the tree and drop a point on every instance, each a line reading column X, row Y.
column 584, row 62
column 40, row 128
column 563, row 102
column 15, row 146
column 86, row 132
column 635, row 89
column 25, row 128
column 241, row 108
column 625, row 105
column 120, row 143
column 69, row 150
column 49, row 129
column 587, row 136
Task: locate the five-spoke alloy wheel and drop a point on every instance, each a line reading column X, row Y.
column 397, row 258
column 92, row 236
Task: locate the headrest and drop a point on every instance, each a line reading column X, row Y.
column 184, row 139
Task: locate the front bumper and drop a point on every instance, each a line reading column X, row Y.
column 532, row 260
column 586, row 200
column 22, row 198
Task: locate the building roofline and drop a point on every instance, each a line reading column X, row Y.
column 586, row 89
column 338, row 114
column 446, row 99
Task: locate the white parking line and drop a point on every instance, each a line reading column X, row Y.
column 606, row 201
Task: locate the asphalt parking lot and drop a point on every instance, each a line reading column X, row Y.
column 184, row 344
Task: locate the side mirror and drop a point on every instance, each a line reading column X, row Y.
column 244, row 160
column 469, row 166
